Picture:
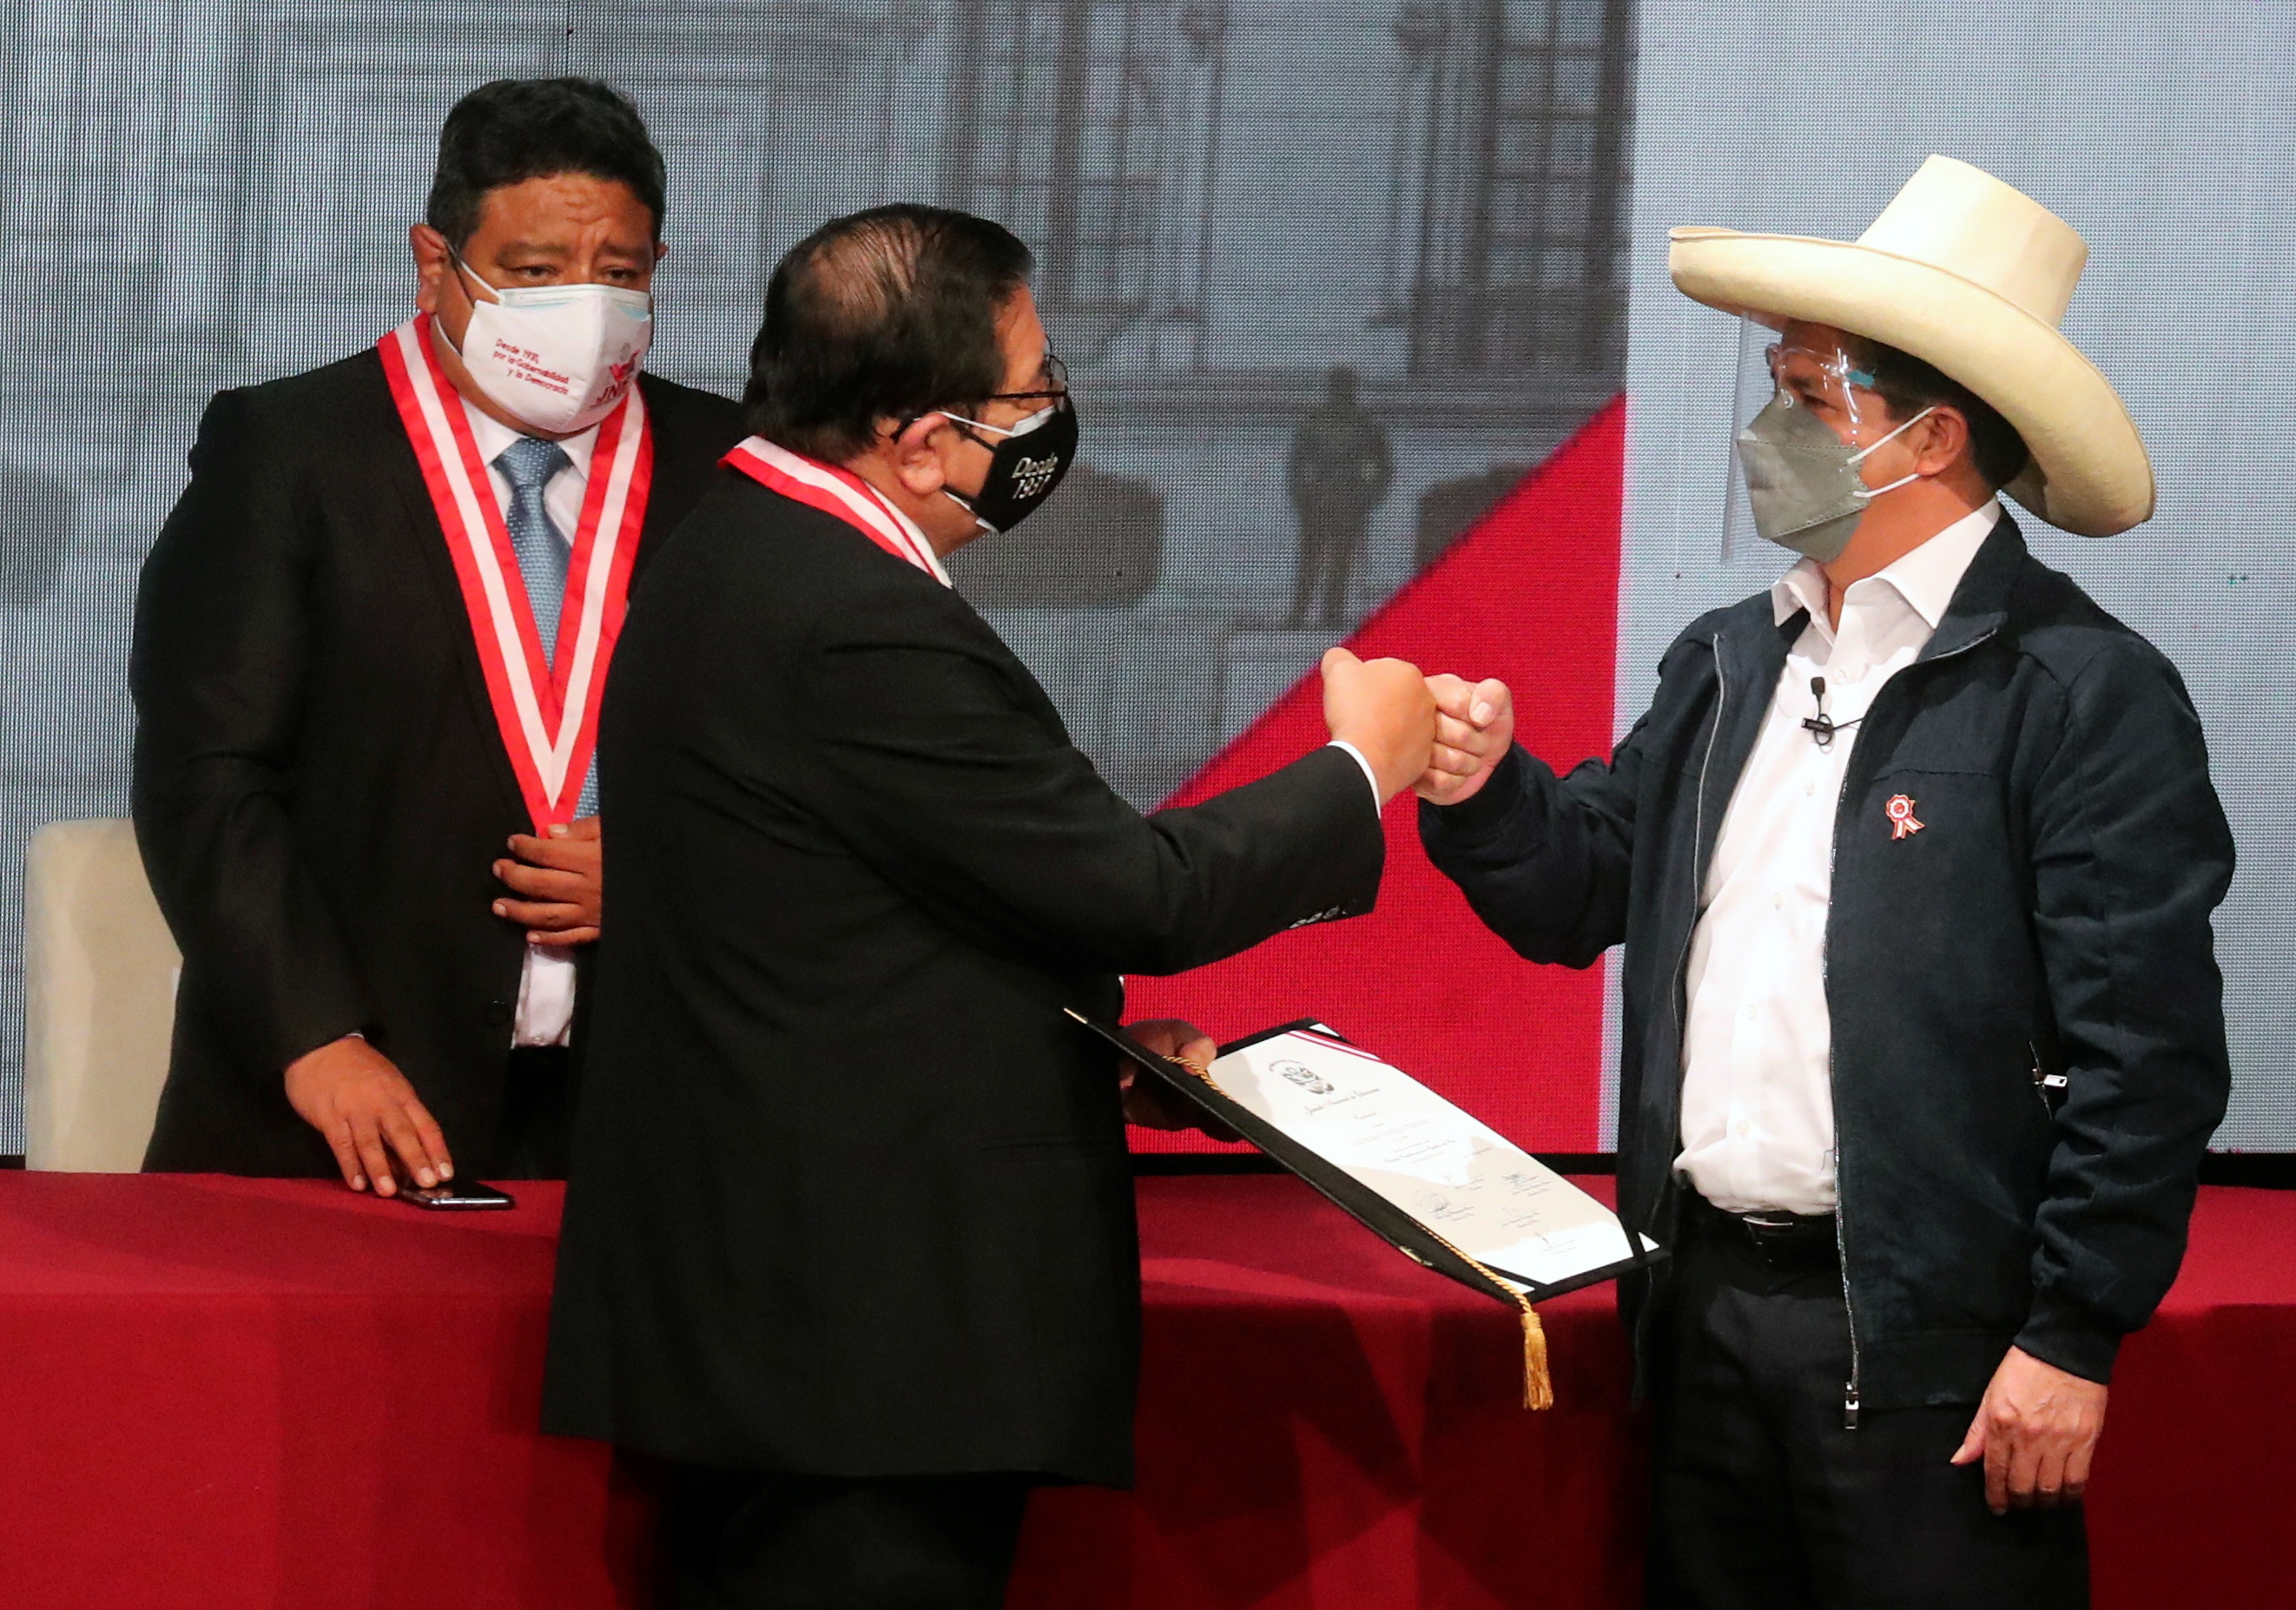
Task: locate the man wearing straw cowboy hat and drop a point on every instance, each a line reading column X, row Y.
column 1912, row 857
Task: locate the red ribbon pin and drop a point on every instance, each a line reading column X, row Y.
column 1903, row 823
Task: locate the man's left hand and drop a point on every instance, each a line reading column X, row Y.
column 2037, row 1431
column 1474, row 728
column 1153, row 1104
column 558, row 877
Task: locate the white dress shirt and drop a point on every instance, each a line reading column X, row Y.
column 545, row 986
column 1758, row 1043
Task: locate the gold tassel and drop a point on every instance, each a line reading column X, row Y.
column 1537, row 1385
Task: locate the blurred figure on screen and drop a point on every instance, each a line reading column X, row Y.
column 1338, row 471
column 1913, row 857
column 369, row 646
column 849, row 1239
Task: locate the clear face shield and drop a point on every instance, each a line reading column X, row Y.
column 1807, row 418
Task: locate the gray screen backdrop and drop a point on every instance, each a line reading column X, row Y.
column 1228, row 198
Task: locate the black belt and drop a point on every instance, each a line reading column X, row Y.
column 1783, row 1241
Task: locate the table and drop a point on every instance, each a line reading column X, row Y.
column 221, row 1392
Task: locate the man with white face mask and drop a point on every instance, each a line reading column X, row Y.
column 1913, row 858
column 370, row 646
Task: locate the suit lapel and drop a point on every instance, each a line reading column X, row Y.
column 666, row 504
column 422, row 533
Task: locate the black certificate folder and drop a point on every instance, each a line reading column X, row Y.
column 1420, row 1172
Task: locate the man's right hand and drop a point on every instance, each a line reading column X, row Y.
column 1384, row 708
column 352, row 1094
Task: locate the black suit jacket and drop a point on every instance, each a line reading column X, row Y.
column 851, row 1193
column 320, row 789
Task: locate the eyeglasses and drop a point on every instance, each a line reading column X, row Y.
column 1056, row 372
column 1812, row 367
column 1053, row 395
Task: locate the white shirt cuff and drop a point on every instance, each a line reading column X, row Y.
column 545, row 999
column 1370, row 775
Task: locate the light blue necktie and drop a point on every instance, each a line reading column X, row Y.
column 528, row 464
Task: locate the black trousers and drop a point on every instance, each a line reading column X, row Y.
column 740, row 1540
column 535, row 1139
column 1762, row 1499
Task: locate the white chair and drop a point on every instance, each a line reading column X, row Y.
column 100, row 972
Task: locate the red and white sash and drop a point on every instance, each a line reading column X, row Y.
column 546, row 708
column 839, row 493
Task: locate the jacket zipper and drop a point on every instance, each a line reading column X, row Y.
column 1698, row 821
column 1849, row 1392
column 1849, row 1388
column 1698, row 838
column 2043, row 1081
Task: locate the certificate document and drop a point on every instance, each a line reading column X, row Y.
column 1432, row 1178
column 1439, row 1163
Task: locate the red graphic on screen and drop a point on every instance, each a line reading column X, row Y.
column 1529, row 594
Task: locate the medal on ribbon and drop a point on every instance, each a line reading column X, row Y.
column 545, row 706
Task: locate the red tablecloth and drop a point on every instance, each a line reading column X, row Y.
column 239, row 1393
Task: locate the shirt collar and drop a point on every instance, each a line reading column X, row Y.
column 915, row 533
column 924, row 543
column 493, row 436
column 1925, row 579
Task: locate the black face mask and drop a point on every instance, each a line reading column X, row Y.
column 1026, row 463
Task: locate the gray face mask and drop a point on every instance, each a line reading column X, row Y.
column 1802, row 482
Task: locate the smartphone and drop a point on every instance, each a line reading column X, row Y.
column 456, row 1194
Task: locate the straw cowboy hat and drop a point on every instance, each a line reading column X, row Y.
column 1972, row 277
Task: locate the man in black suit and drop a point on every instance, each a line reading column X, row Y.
column 850, row 1240
column 367, row 645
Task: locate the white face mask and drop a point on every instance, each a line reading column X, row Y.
column 561, row 358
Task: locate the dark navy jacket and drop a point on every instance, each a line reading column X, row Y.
column 2028, row 1045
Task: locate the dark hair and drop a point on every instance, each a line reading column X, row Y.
column 1908, row 385
column 886, row 313
column 516, row 129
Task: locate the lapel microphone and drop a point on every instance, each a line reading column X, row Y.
column 1820, row 726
